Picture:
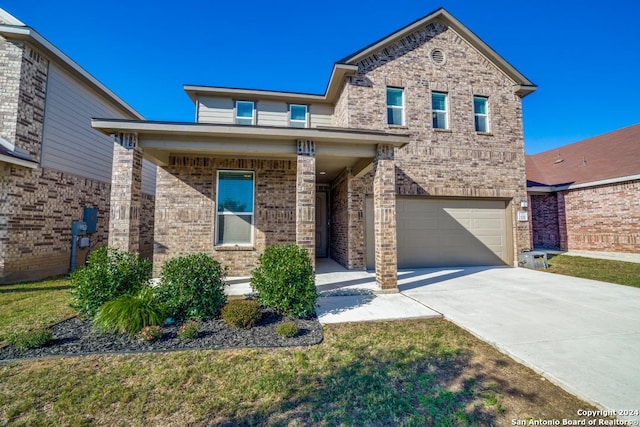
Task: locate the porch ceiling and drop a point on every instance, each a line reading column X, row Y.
column 336, row 148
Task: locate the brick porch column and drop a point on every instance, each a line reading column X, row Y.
column 306, row 197
column 562, row 222
column 384, row 218
column 126, row 194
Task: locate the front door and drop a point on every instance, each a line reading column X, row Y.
column 321, row 225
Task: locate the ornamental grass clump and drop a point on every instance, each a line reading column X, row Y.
column 30, row 338
column 241, row 313
column 189, row 330
column 192, row 287
column 108, row 274
column 128, row 314
column 285, row 281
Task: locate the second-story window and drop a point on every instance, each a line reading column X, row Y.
column 245, row 112
column 395, row 106
column 439, row 110
column 481, row 113
column 298, row 116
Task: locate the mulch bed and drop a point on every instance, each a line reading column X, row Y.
column 76, row 337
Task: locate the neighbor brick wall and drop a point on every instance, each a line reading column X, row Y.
column 545, row 231
column 185, row 209
column 604, row 218
column 458, row 162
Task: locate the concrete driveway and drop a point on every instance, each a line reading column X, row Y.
column 581, row 334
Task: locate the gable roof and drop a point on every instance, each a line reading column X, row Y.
column 348, row 65
column 445, row 17
column 611, row 155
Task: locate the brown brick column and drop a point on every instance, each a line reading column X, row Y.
column 562, row 222
column 384, row 207
column 306, row 197
column 126, row 194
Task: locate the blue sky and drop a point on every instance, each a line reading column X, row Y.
column 583, row 55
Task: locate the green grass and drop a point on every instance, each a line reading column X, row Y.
column 620, row 272
column 28, row 305
column 404, row 373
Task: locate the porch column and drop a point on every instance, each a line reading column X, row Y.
column 306, row 197
column 384, row 218
column 126, row 194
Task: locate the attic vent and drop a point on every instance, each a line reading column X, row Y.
column 437, row 56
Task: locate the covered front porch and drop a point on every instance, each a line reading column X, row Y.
column 230, row 191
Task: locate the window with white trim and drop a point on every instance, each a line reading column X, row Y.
column 298, row 116
column 439, row 106
column 395, row 106
column 234, row 207
column 481, row 113
column 245, row 112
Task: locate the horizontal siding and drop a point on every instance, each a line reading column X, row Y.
column 269, row 113
column 69, row 143
column 215, row 110
column 320, row 115
column 272, row 113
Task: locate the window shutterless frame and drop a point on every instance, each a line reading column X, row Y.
column 235, row 206
column 298, row 116
column 439, row 110
column 481, row 113
column 395, row 106
column 245, row 112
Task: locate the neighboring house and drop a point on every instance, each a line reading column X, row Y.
column 52, row 163
column 586, row 195
column 413, row 157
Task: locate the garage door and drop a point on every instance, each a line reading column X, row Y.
column 446, row 232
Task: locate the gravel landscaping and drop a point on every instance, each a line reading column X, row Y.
column 76, row 337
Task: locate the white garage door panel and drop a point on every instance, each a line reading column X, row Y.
column 442, row 232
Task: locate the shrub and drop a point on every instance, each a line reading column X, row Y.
column 287, row 329
column 150, row 333
column 30, row 338
column 285, row 281
column 130, row 313
column 192, row 287
column 109, row 273
column 189, row 330
column 241, row 313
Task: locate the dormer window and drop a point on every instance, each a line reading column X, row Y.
column 245, row 112
column 298, row 116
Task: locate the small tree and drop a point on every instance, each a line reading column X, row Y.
column 285, row 281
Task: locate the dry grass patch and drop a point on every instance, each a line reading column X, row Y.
column 34, row 304
column 420, row 372
column 620, row 272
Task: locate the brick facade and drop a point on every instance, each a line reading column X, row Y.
column 38, row 205
column 306, row 197
column 457, row 162
column 384, row 218
column 545, row 231
column 185, row 209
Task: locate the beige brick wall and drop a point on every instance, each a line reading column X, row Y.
column 458, row 162
column 185, row 209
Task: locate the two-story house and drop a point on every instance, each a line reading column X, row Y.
column 53, row 164
column 413, row 157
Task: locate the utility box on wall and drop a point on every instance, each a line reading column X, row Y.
column 90, row 217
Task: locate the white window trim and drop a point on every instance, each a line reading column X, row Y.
column 252, row 213
column 486, row 115
column 401, row 108
column 253, row 112
column 445, row 111
column 306, row 115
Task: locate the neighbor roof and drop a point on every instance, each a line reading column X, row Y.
column 611, row 155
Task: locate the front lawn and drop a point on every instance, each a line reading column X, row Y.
column 418, row 372
column 620, row 272
column 32, row 304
